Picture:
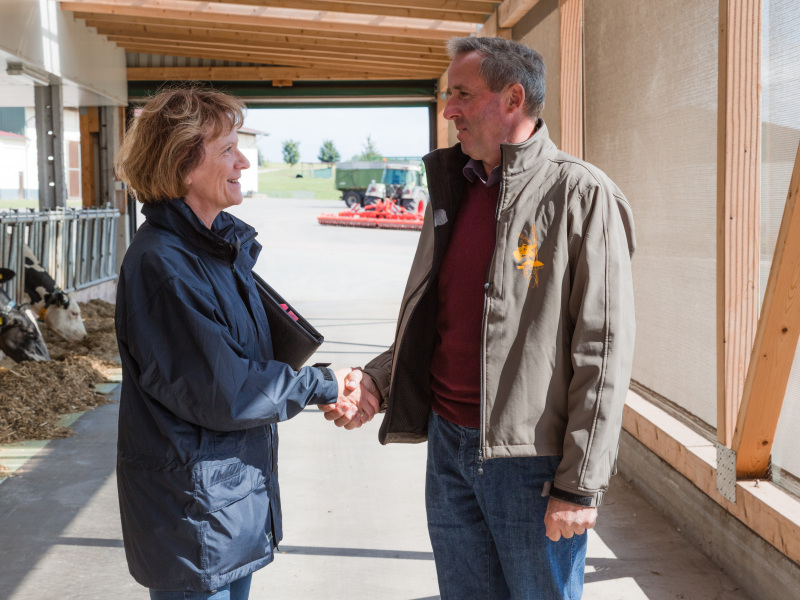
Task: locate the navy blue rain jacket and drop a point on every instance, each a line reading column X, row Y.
column 197, row 464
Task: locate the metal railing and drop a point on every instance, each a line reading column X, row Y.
column 77, row 247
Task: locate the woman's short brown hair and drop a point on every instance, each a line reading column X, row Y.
column 165, row 141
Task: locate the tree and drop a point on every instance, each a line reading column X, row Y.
column 328, row 152
column 370, row 152
column 291, row 152
column 261, row 161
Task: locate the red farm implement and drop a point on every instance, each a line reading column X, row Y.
column 384, row 213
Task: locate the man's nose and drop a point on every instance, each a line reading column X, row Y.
column 450, row 111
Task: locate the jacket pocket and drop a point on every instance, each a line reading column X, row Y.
column 232, row 508
column 237, row 535
column 220, row 483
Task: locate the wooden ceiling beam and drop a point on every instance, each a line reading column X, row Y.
column 299, row 35
column 468, row 6
column 288, row 59
column 236, row 39
column 473, row 12
column 226, row 47
column 511, row 11
column 252, row 74
column 260, row 16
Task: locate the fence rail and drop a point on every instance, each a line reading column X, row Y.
column 77, row 247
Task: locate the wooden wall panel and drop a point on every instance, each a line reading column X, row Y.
column 89, row 128
column 763, row 507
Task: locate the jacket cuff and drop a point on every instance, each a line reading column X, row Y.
column 377, row 376
column 571, row 498
column 329, row 388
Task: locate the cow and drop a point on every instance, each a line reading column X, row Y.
column 59, row 312
column 20, row 337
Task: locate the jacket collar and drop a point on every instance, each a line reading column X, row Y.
column 225, row 238
column 518, row 158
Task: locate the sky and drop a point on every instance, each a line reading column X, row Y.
column 395, row 131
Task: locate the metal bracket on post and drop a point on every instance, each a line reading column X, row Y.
column 726, row 472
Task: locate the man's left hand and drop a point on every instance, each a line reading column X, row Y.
column 563, row 519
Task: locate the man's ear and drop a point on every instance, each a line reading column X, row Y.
column 515, row 96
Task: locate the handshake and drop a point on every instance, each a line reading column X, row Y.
column 358, row 401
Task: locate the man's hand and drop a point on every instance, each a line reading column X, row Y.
column 358, row 402
column 563, row 519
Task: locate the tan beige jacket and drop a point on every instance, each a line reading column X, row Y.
column 558, row 323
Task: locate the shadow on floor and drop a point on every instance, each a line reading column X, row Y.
column 38, row 503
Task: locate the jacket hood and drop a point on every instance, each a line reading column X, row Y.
column 225, row 238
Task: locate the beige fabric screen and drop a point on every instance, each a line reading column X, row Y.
column 651, row 124
column 780, row 138
column 539, row 29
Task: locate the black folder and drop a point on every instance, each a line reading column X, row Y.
column 293, row 342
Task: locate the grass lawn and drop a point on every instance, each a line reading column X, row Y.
column 279, row 180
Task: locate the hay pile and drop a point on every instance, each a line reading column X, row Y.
column 98, row 318
column 34, row 395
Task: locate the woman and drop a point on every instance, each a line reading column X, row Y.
column 201, row 393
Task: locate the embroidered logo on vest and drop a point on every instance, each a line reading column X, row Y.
column 526, row 256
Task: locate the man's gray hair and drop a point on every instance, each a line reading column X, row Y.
column 506, row 62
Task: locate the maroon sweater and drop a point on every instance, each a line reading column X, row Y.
column 456, row 363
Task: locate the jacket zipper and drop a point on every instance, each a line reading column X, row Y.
column 487, row 288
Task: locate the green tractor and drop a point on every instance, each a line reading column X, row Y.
column 364, row 182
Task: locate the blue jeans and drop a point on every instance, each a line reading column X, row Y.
column 235, row 590
column 487, row 531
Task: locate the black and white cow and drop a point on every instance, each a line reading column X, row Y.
column 20, row 338
column 60, row 313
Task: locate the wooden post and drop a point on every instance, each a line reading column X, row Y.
column 571, row 17
column 121, row 194
column 738, row 202
column 775, row 346
column 442, row 124
column 89, row 128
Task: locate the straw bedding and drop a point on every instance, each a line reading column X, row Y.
column 34, row 395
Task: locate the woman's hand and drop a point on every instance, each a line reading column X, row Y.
column 358, row 401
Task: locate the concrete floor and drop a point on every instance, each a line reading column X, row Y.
column 354, row 518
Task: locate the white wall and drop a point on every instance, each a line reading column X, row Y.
column 249, row 178
column 12, row 159
column 29, row 165
column 40, row 34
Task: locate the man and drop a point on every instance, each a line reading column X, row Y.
column 515, row 338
